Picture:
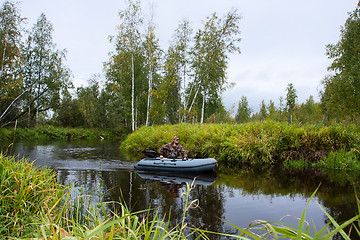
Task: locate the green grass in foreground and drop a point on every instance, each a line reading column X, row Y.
column 25, row 191
column 259, row 143
column 33, row 207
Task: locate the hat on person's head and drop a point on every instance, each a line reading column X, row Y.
column 175, row 138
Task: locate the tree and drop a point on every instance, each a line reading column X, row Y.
column 212, row 45
column 10, row 60
column 263, row 110
column 171, row 85
column 69, row 114
column 153, row 55
column 182, row 45
column 309, row 112
column 44, row 74
column 271, row 109
column 341, row 95
column 244, row 111
column 127, row 63
column 290, row 101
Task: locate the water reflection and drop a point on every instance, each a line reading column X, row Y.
column 100, row 169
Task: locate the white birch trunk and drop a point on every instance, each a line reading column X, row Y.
column 194, row 99
column 132, row 94
column 149, row 98
column 150, row 85
column 203, row 108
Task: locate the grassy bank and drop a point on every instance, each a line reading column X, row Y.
column 25, row 192
column 259, row 143
column 61, row 133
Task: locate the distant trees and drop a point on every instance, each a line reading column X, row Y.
column 290, row 101
column 244, row 111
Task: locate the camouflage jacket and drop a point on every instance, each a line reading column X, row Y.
column 170, row 148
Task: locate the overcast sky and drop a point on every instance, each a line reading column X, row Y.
column 283, row 41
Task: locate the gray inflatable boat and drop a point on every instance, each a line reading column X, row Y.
column 176, row 165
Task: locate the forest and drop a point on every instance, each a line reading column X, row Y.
column 146, row 85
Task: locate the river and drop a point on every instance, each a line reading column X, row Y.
column 100, row 169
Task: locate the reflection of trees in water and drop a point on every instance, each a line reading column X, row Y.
column 84, row 182
column 211, row 209
column 139, row 195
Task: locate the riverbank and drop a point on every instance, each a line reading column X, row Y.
column 60, row 133
column 257, row 143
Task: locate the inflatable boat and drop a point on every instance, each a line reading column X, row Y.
column 176, row 165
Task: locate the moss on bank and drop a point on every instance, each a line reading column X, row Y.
column 61, row 133
column 260, row 143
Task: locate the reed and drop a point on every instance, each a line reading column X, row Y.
column 96, row 223
column 24, row 192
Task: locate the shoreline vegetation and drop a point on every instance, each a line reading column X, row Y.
column 35, row 206
column 49, row 132
column 259, row 144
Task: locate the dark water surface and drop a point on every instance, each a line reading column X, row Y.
column 100, row 168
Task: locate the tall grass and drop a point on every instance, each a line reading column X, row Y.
column 24, row 192
column 261, row 143
column 96, row 223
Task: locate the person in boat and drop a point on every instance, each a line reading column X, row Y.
column 173, row 149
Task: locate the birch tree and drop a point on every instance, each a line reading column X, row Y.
column 44, row 72
column 153, row 55
column 182, row 45
column 213, row 43
column 127, row 63
column 10, row 59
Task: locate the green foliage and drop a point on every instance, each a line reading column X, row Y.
column 340, row 97
column 260, row 143
column 290, row 101
column 213, row 43
column 244, row 111
column 24, row 192
column 344, row 160
column 44, row 73
column 10, row 41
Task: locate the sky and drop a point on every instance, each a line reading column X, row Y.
column 283, row 41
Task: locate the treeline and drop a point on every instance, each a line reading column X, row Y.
column 146, row 85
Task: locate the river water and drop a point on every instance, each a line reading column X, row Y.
column 100, row 169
